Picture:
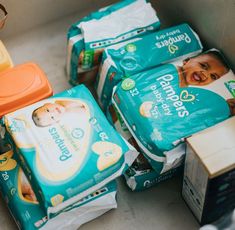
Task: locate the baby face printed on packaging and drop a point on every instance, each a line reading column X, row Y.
column 51, row 113
column 202, row 70
column 48, row 114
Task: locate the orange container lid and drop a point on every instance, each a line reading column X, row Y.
column 21, row 86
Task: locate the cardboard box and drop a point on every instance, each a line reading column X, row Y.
column 209, row 176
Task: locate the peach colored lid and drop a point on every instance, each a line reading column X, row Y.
column 21, row 86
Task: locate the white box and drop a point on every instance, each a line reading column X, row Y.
column 209, row 176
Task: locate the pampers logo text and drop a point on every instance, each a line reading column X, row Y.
column 169, row 41
column 60, row 143
column 177, row 100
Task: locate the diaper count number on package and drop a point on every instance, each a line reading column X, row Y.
column 67, row 147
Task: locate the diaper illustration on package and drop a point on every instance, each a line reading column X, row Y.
column 124, row 60
column 88, row 37
column 171, row 102
column 67, row 147
column 25, row 209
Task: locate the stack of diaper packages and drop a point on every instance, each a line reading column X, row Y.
column 125, row 60
column 137, row 55
column 110, row 25
column 162, row 106
column 62, row 161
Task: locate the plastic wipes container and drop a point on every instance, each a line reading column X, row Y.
column 164, row 105
column 22, row 85
column 25, row 209
column 5, row 59
column 67, row 148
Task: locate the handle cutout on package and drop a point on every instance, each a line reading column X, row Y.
column 3, row 16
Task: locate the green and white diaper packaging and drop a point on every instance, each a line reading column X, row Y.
column 67, row 148
column 139, row 180
column 164, row 105
column 140, row 175
column 89, row 36
column 26, row 211
column 149, row 51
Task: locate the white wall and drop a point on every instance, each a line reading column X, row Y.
column 26, row 14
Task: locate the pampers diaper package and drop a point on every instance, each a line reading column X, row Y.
column 25, row 209
column 67, row 148
column 123, row 60
column 140, row 175
column 116, row 23
column 164, row 105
